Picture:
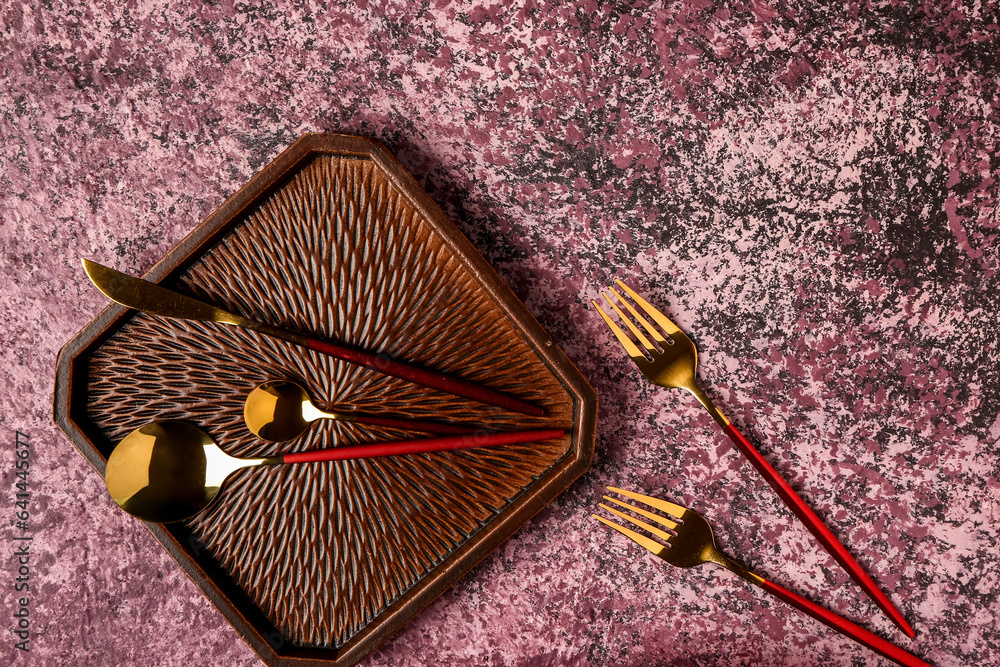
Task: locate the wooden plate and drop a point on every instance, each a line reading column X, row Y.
column 323, row 562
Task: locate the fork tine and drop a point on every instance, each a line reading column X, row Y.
column 660, row 318
column 628, row 322
column 665, row 505
column 642, row 320
column 660, row 533
column 649, row 515
column 641, row 540
column 626, row 342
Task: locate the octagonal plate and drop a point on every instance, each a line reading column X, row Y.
column 323, row 562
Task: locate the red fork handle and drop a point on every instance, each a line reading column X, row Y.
column 424, row 377
column 842, row 625
column 397, row 447
column 818, row 529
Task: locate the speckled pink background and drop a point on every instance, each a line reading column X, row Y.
column 809, row 189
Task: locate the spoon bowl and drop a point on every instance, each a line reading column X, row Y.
column 279, row 410
column 168, row 471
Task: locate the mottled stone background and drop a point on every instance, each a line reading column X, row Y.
column 809, row 189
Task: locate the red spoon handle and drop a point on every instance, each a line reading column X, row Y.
column 842, row 625
column 424, row 377
column 407, row 424
column 445, row 443
column 818, row 528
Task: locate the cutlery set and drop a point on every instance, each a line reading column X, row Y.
column 168, row 471
column 668, row 358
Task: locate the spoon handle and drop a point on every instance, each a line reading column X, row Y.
column 397, row 447
column 404, row 424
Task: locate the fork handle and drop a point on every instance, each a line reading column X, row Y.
column 817, row 527
column 829, row 618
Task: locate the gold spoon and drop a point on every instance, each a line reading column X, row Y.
column 281, row 410
column 168, row 471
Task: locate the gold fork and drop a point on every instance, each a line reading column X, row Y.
column 691, row 543
column 671, row 362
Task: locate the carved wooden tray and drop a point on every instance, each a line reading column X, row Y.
column 323, row 562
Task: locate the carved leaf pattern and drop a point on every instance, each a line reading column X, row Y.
column 337, row 252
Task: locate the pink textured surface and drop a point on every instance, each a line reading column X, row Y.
column 809, row 189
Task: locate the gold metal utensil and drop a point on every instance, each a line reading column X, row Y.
column 154, row 299
column 168, row 471
column 670, row 360
column 281, row 410
column 690, row 542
